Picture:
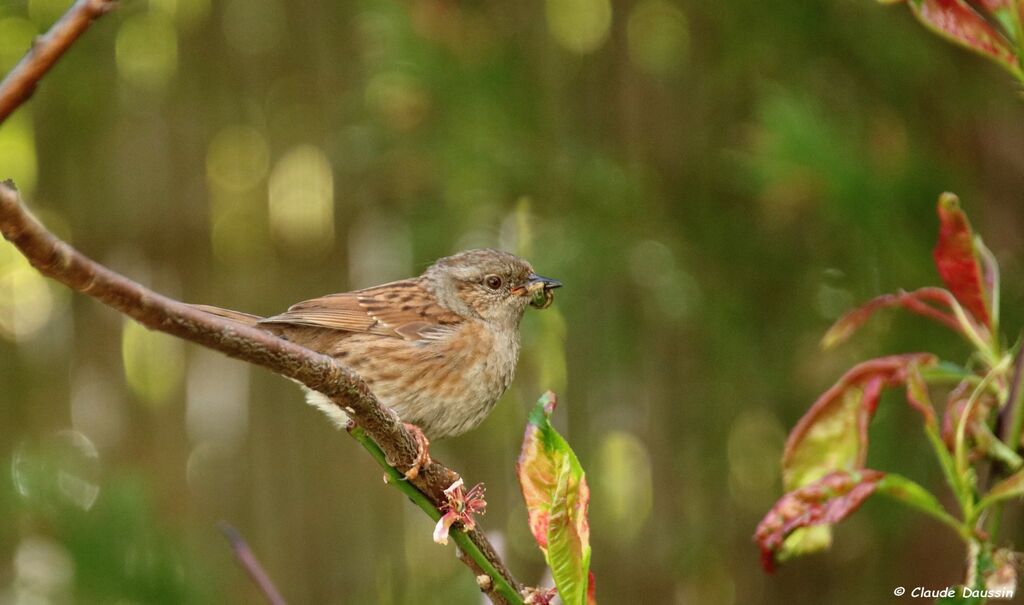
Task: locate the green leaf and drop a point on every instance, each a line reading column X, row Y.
column 555, row 489
column 912, row 494
column 956, row 257
column 833, row 434
column 1007, row 489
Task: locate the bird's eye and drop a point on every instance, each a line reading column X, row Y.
column 493, row 282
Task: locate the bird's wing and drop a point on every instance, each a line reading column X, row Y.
column 245, row 318
column 402, row 309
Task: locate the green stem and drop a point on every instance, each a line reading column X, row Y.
column 996, row 449
column 461, row 538
column 945, row 373
column 1012, row 429
column 993, row 500
column 1015, row 401
column 960, row 491
column 960, row 449
column 988, row 350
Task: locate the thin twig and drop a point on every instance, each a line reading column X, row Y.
column 20, row 82
column 58, row 260
column 247, row 559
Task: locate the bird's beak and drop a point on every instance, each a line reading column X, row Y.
column 545, row 282
column 539, row 288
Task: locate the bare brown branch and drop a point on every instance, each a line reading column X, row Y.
column 58, row 260
column 20, row 82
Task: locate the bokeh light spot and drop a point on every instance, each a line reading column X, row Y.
column 147, row 50
column 658, row 36
column 18, row 151
column 623, row 481
column 580, row 26
column 154, row 363
column 301, row 201
column 44, row 573
column 237, row 159
column 238, row 228
column 59, row 470
column 754, row 450
column 26, row 302
column 187, row 14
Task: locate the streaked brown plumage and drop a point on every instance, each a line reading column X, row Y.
column 439, row 349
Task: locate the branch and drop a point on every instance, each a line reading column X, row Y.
column 20, row 82
column 469, row 552
column 247, row 559
column 58, row 260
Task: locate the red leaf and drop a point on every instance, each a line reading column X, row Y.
column 956, row 21
column 821, row 503
column 957, row 260
column 833, row 434
column 921, row 301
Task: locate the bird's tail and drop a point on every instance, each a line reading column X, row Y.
column 243, row 318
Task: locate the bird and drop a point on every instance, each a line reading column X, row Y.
column 439, row 349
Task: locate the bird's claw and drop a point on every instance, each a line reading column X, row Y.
column 422, row 451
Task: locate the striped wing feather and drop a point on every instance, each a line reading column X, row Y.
column 400, row 309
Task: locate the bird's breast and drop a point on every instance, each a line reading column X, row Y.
column 449, row 385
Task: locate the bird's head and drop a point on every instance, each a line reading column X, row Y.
column 494, row 285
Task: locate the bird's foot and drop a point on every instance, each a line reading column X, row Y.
column 422, row 451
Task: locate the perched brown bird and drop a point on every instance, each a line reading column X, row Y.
column 439, row 349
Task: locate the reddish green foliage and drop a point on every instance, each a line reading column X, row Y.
column 556, row 493
column 957, row 260
column 824, row 502
column 833, row 434
column 921, row 301
column 956, row 21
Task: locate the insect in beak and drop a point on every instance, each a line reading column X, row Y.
column 539, row 288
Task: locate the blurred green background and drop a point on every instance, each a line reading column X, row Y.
column 714, row 183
